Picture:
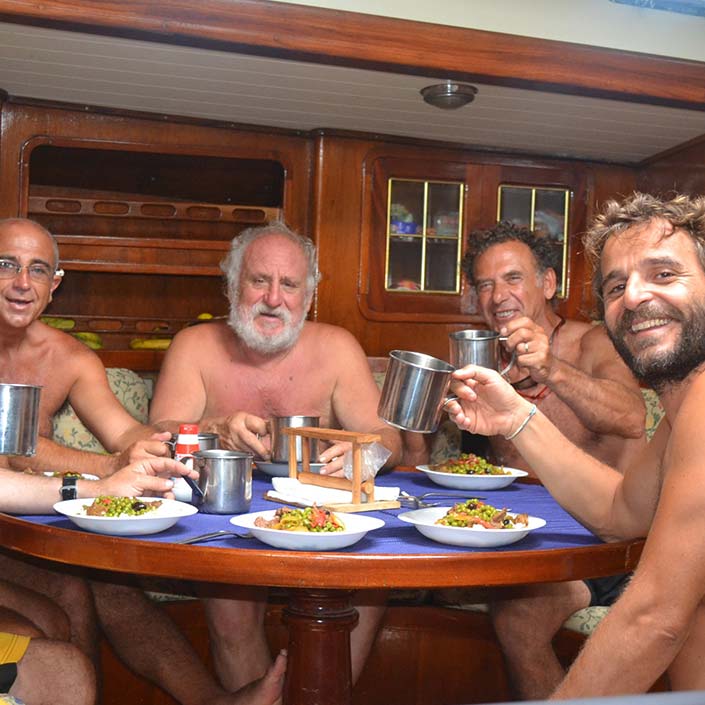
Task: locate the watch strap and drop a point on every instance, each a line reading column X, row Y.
column 68, row 488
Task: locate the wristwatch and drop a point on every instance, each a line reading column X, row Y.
column 68, row 488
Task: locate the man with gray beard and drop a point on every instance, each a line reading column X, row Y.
column 650, row 285
column 266, row 361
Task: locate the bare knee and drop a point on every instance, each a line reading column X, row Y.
column 54, row 673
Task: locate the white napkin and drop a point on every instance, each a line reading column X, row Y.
column 289, row 489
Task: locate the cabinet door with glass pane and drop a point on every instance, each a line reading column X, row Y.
column 544, row 210
column 424, row 236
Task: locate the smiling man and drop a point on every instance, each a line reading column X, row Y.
column 650, row 282
column 571, row 371
column 266, row 360
column 33, row 353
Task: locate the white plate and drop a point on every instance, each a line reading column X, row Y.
column 425, row 521
column 153, row 522
column 282, row 469
column 84, row 476
column 472, row 482
column 356, row 526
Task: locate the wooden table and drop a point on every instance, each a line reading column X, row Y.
column 319, row 615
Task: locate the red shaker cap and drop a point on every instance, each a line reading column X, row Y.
column 188, row 428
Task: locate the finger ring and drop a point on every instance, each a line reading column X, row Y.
column 526, row 347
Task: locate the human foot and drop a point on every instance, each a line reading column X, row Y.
column 264, row 691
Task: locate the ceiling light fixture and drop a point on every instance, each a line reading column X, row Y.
column 449, row 95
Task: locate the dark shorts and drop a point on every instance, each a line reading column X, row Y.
column 605, row 591
column 8, row 674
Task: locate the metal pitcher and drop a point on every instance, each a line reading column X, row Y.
column 415, row 391
column 478, row 347
column 19, row 418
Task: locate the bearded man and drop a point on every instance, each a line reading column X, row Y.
column 650, row 285
column 266, row 360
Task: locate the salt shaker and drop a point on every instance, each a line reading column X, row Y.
column 186, row 445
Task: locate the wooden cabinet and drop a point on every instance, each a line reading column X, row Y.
column 423, row 209
column 143, row 214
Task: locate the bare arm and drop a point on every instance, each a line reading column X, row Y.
column 599, row 388
column 355, row 400
column 33, row 494
column 649, row 625
column 613, row 506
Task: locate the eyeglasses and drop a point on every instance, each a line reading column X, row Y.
column 37, row 271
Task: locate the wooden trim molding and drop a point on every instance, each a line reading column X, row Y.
column 380, row 43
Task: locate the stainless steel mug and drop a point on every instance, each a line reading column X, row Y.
column 280, row 441
column 415, row 391
column 224, row 482
column 478, row 347
column 19, row 418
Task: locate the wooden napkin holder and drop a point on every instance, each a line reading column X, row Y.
column 356, row 486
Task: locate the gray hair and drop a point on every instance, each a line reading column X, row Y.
column 232, row 264
column 26, row 221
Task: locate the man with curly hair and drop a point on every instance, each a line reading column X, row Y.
column 650, row 284
column 572, row 372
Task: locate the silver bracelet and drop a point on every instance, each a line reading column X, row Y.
column 523, row 424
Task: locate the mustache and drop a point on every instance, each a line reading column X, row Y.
column 277, row 312
column 648, row 311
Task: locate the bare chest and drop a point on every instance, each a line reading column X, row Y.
column 294, row 387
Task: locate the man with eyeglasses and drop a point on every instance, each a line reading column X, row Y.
column 34, row 353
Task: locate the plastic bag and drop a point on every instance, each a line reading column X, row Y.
column 374, row 456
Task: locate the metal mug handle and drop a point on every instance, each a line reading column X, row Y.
column 505, row 371
column 191, row 483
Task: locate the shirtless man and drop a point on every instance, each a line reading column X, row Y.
column 650, row 281
column 33, row 353
column 267, row 360
column 572, row 372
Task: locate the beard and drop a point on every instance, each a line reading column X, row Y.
column 671, row 366
column 242, row 321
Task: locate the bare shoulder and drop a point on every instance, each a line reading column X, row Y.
column 335, row 337
column 65, row 347
column 194, row 340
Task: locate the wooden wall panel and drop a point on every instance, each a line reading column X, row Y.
column 680, row 170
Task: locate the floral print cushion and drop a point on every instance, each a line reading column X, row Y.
column 131, row 391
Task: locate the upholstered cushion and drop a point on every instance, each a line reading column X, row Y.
column 131, row 391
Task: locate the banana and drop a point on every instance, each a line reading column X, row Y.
column 92, row 340
column 59, row 323
column 204, row 316
column 150, row 343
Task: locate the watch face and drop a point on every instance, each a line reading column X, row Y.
column 68, row 488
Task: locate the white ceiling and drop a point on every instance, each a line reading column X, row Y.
column 136, row 75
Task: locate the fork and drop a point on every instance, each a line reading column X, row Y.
column 419, row 503
column 215, row 535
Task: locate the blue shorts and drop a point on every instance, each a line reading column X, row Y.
column 605, row 591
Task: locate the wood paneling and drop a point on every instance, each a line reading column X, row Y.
column 679, row 170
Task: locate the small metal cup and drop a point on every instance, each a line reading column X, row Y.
column 280, row 441
column 224, row 482
column 478, row 347
column 415, row 391
column 19, row 418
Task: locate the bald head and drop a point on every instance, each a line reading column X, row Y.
column 29, row 227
